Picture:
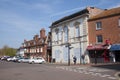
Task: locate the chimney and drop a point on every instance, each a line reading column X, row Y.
column 42, row 33
column 94, row 11
column 36, row 37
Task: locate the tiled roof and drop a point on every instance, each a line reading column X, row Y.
column 106, row 13
column 70, row 16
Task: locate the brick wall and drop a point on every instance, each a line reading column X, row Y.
column 110, row 30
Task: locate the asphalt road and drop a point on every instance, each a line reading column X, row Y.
column 25, row 71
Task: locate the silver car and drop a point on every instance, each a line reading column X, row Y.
column 25, row 60
column 37, row 60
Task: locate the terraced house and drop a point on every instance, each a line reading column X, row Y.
column 70, row 36
column 39, row 46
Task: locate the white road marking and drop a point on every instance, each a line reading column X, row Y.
column 105, row 75
column 111, row 77
column 88, row 71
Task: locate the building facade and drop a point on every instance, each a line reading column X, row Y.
column 70, row 36
column 104, row 28
column 37, row 47
column 20, row 52
column 49, row 47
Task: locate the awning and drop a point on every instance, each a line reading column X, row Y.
column 115, row 47
column 96, row 47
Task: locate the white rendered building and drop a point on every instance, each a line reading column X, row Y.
column 72, row 29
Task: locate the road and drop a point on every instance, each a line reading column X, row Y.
column 25, row 71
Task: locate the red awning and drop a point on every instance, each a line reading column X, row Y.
column 96, row 47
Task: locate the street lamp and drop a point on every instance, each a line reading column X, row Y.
column 68, row 45
column 80, row 49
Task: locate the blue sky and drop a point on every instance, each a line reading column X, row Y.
column 22, row 19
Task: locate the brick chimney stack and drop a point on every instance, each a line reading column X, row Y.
column 42, row 33
column 94, row 11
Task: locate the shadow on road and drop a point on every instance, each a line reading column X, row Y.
column 109, row 66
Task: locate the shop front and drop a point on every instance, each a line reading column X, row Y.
column 99, row 54
column 115, row 50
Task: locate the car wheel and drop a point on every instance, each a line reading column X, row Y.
column 32, row 62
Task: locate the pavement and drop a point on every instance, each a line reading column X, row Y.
column 111, row 71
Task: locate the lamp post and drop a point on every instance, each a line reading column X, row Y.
column 68, row 45
column 80, row 50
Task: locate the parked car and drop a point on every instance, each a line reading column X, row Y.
column 18, row 59
column 37, row 60
column 25, row 60
column 4, row 57
column 10, row 59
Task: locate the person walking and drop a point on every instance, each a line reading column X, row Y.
column 74, row 60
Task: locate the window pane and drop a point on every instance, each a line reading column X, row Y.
column 98, row 25
column 99, row 38
column 77, row 32
column 65, row 34
column 60, row 35
column 57, row 36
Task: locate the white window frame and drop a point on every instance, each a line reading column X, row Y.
column 77, row 31
column 98, row 25
column 60, row 33
column 57, row 34
column 38, row 50
column 41, row 49
column 65, row 34
column 97, row 39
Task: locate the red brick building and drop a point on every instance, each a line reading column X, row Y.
column 38, row 46
column 104, row 28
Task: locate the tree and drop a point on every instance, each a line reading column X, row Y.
column 8, row 51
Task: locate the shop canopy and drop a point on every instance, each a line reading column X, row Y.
column 97, row 47
column 115, row 47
